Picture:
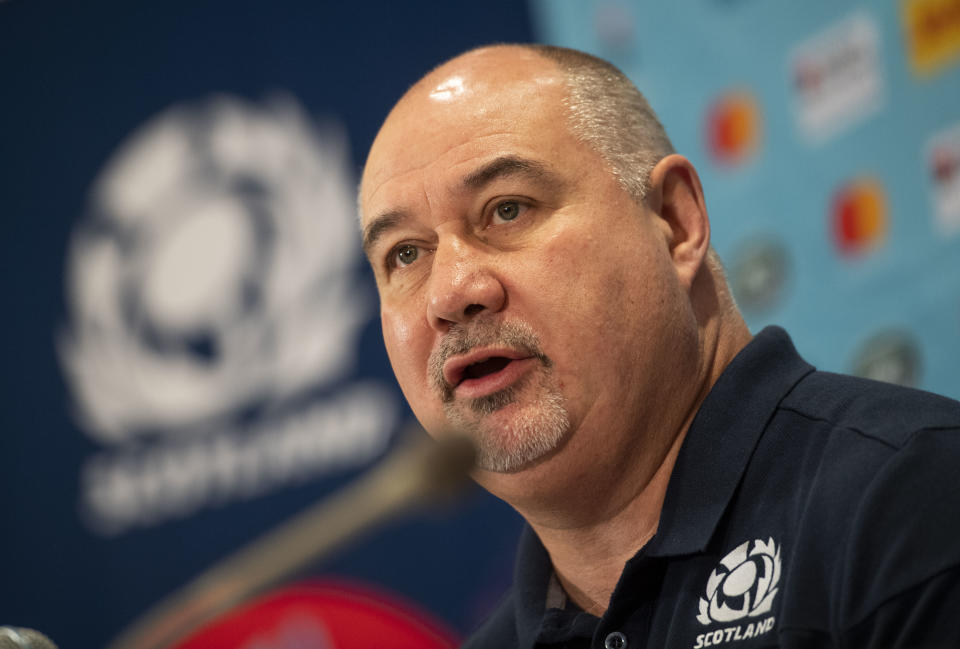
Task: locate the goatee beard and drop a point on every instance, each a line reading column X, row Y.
column 538, row 427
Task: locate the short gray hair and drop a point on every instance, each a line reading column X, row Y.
column 610, row 115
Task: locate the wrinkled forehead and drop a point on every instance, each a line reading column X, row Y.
column 461, row 107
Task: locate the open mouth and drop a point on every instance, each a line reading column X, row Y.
column 486, row 371
column 484, row 368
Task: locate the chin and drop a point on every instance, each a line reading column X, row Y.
column 515, row 438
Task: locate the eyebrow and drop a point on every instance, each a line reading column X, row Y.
column 380, row 225
column 501, row 167
column 508, row 165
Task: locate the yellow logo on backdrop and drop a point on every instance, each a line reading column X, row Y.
column 932, row 30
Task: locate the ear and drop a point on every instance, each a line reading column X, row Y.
column 676, row 199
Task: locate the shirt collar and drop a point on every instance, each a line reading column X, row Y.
column 532, row 576
column 709, row 467
column 721, row 440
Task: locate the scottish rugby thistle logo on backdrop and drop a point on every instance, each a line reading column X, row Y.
column 214, row 292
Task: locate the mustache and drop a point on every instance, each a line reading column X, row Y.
column 460, row 339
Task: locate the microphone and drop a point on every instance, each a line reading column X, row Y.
column 15, row 637
column 415, row 474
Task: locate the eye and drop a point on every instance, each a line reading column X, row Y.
column 405, row 255
column 507, row 211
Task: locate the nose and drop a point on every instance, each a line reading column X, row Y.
column 462, row 284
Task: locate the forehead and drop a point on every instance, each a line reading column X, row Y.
column 461, row 116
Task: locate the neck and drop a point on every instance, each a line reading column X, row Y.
column 588, row 552
column 589, row 557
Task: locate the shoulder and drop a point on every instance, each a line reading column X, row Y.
column 906, row 527
column 886, row 477
column 849, row 440
column 886, row 413
column 500, row 629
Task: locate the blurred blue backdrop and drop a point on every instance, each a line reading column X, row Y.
column 192, row 351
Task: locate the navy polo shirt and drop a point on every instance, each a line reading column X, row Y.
column 806, row 509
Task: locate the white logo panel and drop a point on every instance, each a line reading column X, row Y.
column 836, row 77
column 943, row 167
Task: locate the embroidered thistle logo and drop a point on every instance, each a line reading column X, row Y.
column 743, row 585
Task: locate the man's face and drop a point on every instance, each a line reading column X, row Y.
column 525, row 297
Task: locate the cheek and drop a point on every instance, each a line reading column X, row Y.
column 562, row 261
column 609, row 286
column 400, row 340
column 408, row 340
column 397, row 331
column 584, row 275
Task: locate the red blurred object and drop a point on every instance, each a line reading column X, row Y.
column 324, row 615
